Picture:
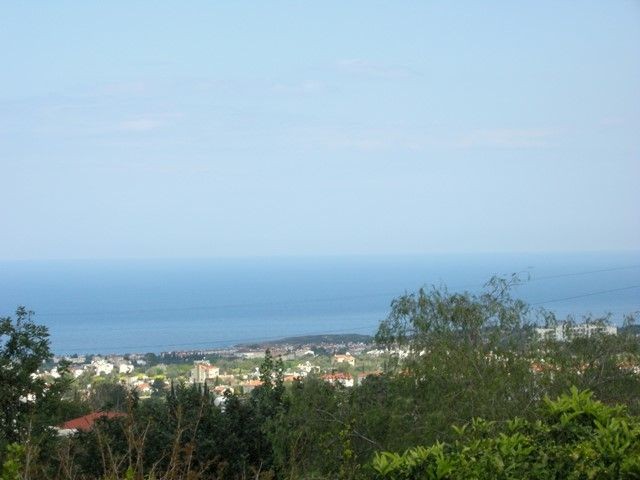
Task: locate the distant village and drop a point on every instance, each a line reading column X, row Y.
column 343, row 360
column 235, row 369
column 340, row 360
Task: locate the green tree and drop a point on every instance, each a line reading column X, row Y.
column 107, row 395
column 158, row 388
column 456, row 356
column 306, row 438
column 24, row 346
column 268, row 398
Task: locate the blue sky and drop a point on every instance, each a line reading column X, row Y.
column 214, row 129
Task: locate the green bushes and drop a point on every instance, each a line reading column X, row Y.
column 576, row 437
column 13, row 462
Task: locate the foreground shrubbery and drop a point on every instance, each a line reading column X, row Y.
column 575, row 438
column 464, row 357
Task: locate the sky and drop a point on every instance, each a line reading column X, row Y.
column 221, row 129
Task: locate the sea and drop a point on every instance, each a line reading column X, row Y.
column 125, row 306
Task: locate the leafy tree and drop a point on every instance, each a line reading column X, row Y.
column 158, row 388
column 107, row 395
column 29, row 405
column 468, row 352
column 24, row 346
column 266, row 402
column 305, row 438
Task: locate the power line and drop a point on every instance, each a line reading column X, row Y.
column 221, row 306
column 575, row 274
column 590, row 294
column 231, row 341
column 350, row 330
column 309, row 300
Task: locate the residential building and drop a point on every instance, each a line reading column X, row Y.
column 336, row 378
column 566, row 331
column 346, row 358
column 203, row 371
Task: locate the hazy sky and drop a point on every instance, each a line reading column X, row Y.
column 206, row 129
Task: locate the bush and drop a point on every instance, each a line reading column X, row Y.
column 577, row 437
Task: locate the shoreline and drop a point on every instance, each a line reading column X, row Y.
column 239, row 348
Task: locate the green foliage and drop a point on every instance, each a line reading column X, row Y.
column 465, row 351
column 305, row 439
column 577, row 438
column 13, row 464
column 108, row 395
column 24, row 346
column 28, row 404
column 595, row 363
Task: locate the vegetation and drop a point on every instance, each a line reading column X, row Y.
column 576, row 437
column 464, row 394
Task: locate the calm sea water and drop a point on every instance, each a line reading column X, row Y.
column 159, row 305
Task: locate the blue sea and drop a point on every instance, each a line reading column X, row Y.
column 161, row 305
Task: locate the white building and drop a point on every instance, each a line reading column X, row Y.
column 125, row 368
column 306, row 368
column 302, row 352
column 336, row 378
column 566, row 331
column 102, row 366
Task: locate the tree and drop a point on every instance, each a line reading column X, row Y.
column 466, row 351
column 106, row 395
column 265, row 403
column 158, row 388
column 268, row 398
column 24, row 346
column 305, row 439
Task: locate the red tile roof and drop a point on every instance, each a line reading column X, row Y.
column 252, row 383
column 336, row 376
column 87, row 422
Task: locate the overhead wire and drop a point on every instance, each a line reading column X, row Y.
column 309, row 300
column 331, row 332
column 322, row 300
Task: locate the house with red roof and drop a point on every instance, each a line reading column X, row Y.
column 85, row 423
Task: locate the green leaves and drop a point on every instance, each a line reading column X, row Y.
column 579, row 438
column 13, row 463
column 419, row 462
column 24, row 346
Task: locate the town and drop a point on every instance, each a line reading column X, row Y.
column 338, row 359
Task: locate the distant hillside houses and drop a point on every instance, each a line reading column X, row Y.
column 338, row 378
column 346, row 358
column 125, row 368
column 202, row 371
column 566, row 331
column 304, row 369
column 102, row 366
column 250, row 385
